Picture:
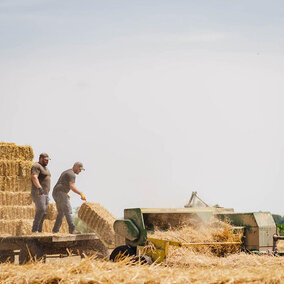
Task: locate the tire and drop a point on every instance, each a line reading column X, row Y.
column 30, row 252
column 7, row 256
column 143, row 259
column 121, row 252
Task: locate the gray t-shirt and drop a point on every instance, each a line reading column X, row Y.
column 63, row 181
column 43, row 174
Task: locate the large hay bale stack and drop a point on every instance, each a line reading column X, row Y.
column 16, row 208
column 100, row 220
column 15, row 167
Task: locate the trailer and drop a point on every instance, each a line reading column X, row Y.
column 40, row 247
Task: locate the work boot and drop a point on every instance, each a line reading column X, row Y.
column 75, row 232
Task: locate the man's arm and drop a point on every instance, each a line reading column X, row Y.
column 74, row 189
column 36, row 181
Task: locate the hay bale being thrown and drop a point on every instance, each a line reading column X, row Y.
column 100, row 220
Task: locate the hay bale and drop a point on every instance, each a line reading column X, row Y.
column 48, row 226
column 14, row 227
column 100, row 220
column 15, row 198
column 51, row 211
column 17, row 212
column 10, row 151
column 24, row 227
column 15, row 183
column 15, row 168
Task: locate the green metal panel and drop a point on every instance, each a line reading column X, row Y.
column 127, row 229
column 135, row 215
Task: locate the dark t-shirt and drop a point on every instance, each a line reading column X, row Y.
column 43, row 174
column 63, row 181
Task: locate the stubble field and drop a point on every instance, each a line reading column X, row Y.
column 182, row 266
column 237, row 268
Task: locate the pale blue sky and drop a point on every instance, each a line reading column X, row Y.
column 157, row 98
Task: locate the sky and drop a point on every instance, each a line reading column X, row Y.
column 157, row 98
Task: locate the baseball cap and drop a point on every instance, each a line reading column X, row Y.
column 44, row 156
column 79, row 165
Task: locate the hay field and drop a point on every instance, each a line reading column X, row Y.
column 236, row 268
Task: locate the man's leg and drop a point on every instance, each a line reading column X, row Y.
column 46, row 199
column 60, row 212
column 68, row 215
column 39, row 201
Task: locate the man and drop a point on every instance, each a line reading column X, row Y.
column 40, row 177
column 60, row 194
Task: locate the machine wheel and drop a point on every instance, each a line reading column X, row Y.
column 143, row 259
column 7, row 256
column 121, row 252
column 30, row 251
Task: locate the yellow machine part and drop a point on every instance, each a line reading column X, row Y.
column 158, row 248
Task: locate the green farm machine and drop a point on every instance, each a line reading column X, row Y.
column 258, row 228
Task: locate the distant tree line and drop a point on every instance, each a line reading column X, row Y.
column 279, row 220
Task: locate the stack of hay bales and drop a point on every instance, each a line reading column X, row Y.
column 16, row 208
column 100, row 220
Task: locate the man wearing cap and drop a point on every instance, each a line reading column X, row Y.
column 60, row 194
column 40, row 177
